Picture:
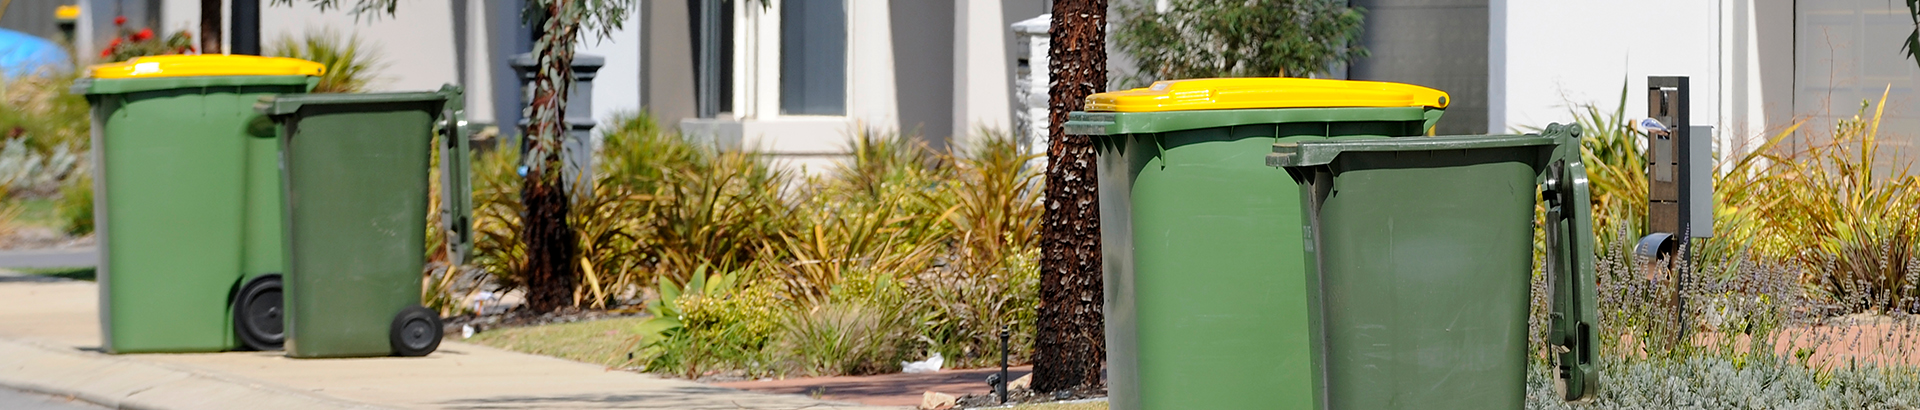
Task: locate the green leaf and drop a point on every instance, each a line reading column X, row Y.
column 698, row 282
column 652, row 330
column 668, row 291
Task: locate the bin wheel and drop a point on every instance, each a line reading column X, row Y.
column 416, row 332
column 259, row 314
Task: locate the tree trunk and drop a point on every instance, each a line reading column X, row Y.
column 1070, row 345
column 210, row 26
column 552, row 244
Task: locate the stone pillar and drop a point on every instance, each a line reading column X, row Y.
column 576, row 151
column 1030, row 84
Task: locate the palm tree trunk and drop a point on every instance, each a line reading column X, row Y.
column 552, row 244
column 210, row 26
column 1069, row 347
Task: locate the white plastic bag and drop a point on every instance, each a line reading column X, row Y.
column 932, row 364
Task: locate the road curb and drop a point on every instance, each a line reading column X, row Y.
column 123, row 383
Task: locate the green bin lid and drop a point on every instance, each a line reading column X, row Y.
column 1312, row 153
column 287, row 104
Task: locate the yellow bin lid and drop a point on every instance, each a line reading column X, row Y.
column 1253, row 93
column 205, row 66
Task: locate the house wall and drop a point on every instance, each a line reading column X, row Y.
column 95, row 26
column 1440, row 44
column 1549, row 57
column 416, row 43
column 1554, row 56
column 35, row 17
column 668, row 82
column 1757, row 54
column 981, row 86
column 924, row 67
column 616, row 88
column 1849, row 53
column 939, row 70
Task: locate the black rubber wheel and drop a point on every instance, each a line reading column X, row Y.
column 259, row 314
column 416, row 332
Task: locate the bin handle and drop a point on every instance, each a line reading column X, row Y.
column 1569, row 233
column 456, row 191
column 1323, row 152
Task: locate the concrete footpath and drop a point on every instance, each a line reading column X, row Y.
column 49, row 343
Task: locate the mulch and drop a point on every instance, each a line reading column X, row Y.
column 900, row 389
column 521, row 317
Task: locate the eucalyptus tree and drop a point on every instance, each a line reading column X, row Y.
column 552, row 244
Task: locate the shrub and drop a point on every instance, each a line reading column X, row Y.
column 880, row 213
column 128, row 43
column 714, row 322
column 44, row 111
column 1717, row 383
column 991, row 277
column 352, row 65
column 1250, row 38
column 864, row 326
column 496, row 216
column 26, row 170
column 76, row 206
column 1853, row 228
column 723, row 211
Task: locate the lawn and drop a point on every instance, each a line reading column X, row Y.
column 605, row 342
column 43, row 212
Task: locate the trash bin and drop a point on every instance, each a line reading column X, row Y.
column 188, row 204
column 1206, row 294
column 356, row 169
column 1424, row 250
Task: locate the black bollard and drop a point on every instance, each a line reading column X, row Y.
column 1001, row 388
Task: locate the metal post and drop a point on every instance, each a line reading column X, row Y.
column 245, row 36
column 1001, row 388
column 1669, row 176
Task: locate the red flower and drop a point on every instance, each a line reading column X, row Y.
column 106, row 53
column 143, row 35
column 120, row 21
column 115, row 43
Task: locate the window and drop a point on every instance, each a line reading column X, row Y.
column 1847, row 52
column 712, row 33
column 813, row 57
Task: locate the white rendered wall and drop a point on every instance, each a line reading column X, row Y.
column 616, row 89
column 479, row 86
column 1548, row 56
column 872, row 98
column 980, row 94
column 416, row 43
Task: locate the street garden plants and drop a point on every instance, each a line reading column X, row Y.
column 1800, row 300
column 749, row 269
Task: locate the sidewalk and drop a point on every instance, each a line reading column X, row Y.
column 49, row 338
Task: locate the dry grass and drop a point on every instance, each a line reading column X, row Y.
column 603, row 342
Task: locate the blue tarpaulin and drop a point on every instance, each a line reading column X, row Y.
column 24, row 54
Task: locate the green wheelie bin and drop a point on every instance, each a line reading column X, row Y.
column 356, row 177
column 1206, row 289
column 188, row 201
column 1423, row 251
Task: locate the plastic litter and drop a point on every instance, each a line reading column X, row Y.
column 932, row 364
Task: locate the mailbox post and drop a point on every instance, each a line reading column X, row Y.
column 1679, row 183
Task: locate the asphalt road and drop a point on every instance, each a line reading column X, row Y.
column 19, row 400
column 49, row 258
